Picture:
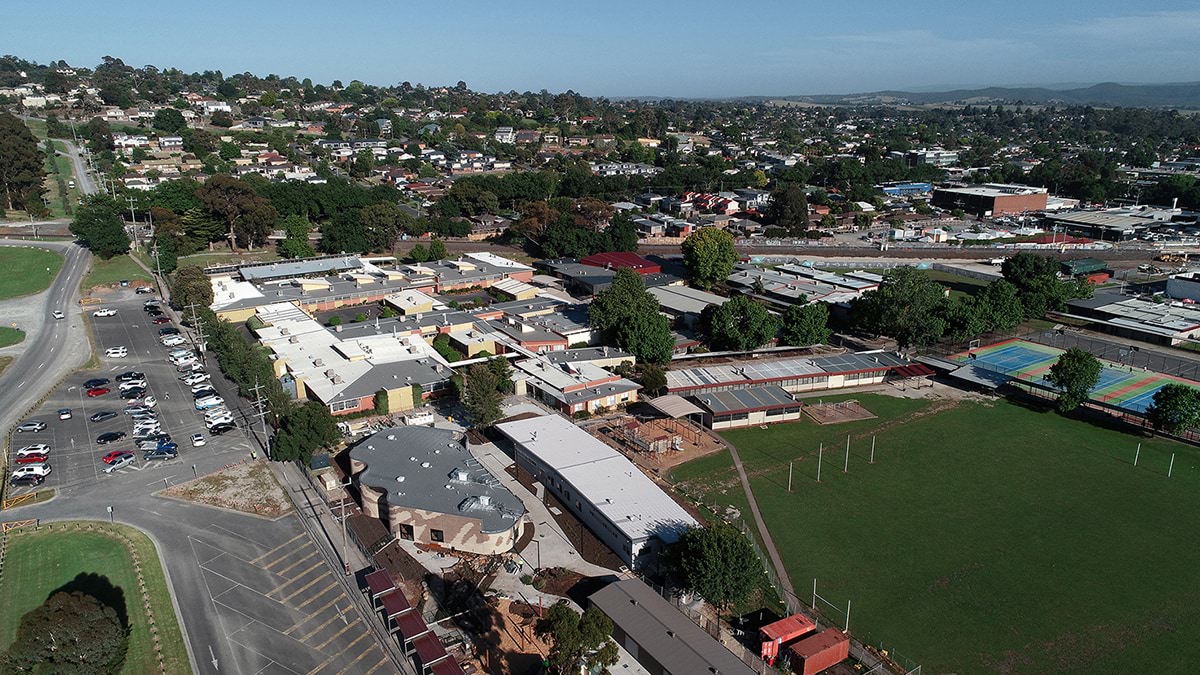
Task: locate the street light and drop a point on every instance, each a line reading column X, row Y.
column 539, row 553
column 345, row 548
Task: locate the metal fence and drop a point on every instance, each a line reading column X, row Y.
column 1136, row 356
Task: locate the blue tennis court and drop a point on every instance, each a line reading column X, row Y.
column 1142, row 401
column 1111, row 376
column 1010, row 358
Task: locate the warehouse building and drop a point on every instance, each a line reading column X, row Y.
column 991, row 199
column 664, row 641
column 1162, row 324
column 425, row 485
column 1111, row 225
column 683, row 304
column 619, row 504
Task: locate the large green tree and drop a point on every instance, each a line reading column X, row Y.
column 806, row 324
column 709, row 256
column 1002, row 305
column 788, row 208
column 303, row 430
column 22, row 166
column 738, row 324
column 99, row 226
column 72, row 633
column 1074, row 374
column 169, row 120
column 190, row 286
column 295, row 243
column 907, row 306
column 578, row 641
column 648, row 337
column 1176, row 408
column 717, row 562
column 627, row 315
column 482, row 396
column 1036, row 279
column 248, row 217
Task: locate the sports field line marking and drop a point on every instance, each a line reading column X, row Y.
column 289, row 541
column 305, row 587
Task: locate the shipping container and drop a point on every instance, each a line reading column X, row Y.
column 815, row 653
column 1097, row 278
column 779, row 634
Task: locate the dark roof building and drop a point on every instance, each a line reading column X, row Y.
column 619, row 260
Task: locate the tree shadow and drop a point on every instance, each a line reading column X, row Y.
column 98, row 586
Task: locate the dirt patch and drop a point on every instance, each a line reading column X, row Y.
column 630, row 436
column 502, row 634
column 249, row 487
column 836, row 413
column 556, row 580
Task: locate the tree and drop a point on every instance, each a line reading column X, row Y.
column 22, row 165
column 648, row 337
column 381, row 402
column 303, row 430
column 1176, row 408
column 1074, row 374
column 626, row 314
column 72, row 633
column 382, row 222
column 190, row 286
column 437, row 250
column 788, row 208
column 716, row 562
column 1002, row 303
column 1036, row 279
column 169, row 120
column 503, row 373
column 99, row 226
column 966, row 318
column 804, row 325
column 907, row 306
column 295, row 243
column 709, row 256
column 652, row 377
column 483, row 397
column 248, row 217
column 418, row 253
column 578, row 640
column 228, row 151
column 739, row 324
column 167, row 251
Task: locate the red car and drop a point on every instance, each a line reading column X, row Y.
column 33, row 459
column 161, row 319
column 98, row 391
column 115, row 455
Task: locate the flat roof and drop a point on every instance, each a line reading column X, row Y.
column 684, row 299
column 1161, row 319
column 674, row 406
column 662, row 632
column 750, row 372
column 1103, row 219
column 768, row 397
column 430, row 469
column 604, row 477
column 299, row 268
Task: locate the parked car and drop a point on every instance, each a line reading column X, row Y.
column 219, row 421
column 144, row 289
column 32, row 470
column 169, row 330
column 137, row 392
column 31, row 426
column 116, row 352
column 198, row 440
column 35, row 449
column 218, row 429
column 58, row 315
column 95, row 382
column 26, row 480
column 132, row 384
column 195, row 378
column 64, row 413
column 98, row 391
column 159, row 320
column 121, row 462
column 201, row 390
column 150, row 304
column 109, row 437
column 32, row 459
column 148, row 402
column 104, row 311
column 160, row 453
column 129, row 375
column 103, row 415
column 173, row 340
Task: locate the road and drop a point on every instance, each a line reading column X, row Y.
column 52, row 348
column 83, row 179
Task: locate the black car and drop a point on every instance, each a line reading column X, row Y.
column 151, row 306
column 204, row 392
column 95, row 382
column 103, row 415
column 168, row 330
column 136, row 392
column 154, row 312
column 218, row 429
column 28, row 480
column 160, row 437
column 109, row 437
column 131, row 375
column 160, row 453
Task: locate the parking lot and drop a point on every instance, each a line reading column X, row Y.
column 280, row 605
column 76, row 458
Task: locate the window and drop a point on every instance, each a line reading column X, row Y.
column 406, row 532
column 437, row 535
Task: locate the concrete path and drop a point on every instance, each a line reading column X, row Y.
column 764, row 534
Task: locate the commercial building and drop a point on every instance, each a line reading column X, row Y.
column 752, row 406
column 793, row 375
column 662, row 640
column 1110, row 225
column 1163, row 324
column 684, row 304
column 791, row 284
column 1185, row 286
column 427, row 487
column 991, row 199
column 621, row 260
column 904, row 189
column 619, row 504
column 572, row 386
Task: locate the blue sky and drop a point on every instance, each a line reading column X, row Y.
column 621, row 48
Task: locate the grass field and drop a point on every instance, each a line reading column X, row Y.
column 10, row 336
column 4, row 361
column 25, row 270
column 986, row 538
column 113, row 270
column 39, row 562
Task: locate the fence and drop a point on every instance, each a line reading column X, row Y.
column 1149, row 358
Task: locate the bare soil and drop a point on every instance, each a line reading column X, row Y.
column 249, row 487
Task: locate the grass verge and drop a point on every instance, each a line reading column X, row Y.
column 39, row 562
column 25, row 270
column 986, row 537
column 11, row 336
column 4, row 361
column 112, row 271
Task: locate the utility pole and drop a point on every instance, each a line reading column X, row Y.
column 260, row 411
column 199, row 328
column 133, row 215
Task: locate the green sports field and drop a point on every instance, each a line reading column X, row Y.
column 25, row 270
column 37, row 563
column 986, row 538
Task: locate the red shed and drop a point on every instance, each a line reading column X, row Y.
column 776, row 635
column 618, row 260
column 818, row 652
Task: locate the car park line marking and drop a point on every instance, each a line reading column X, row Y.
column 305, row 587
column 229, row 531
column 258, row 653
column 336, row 636
column 284, row 558
column 343, row 651
column 361, row 656
column 377, row 666
column 316, row 597
column 318, row 629
column 289, row 541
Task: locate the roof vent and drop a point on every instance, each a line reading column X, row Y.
column 449, row 486
column 425, row 465
column 412, row 459
column 391, row 437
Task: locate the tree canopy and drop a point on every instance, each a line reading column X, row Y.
column 1176, row 408
column 99, row 226
column 908, row 306
column 788, row 208
column 1074, row 374
column 578, row 639
column 482, row 396
column 709, row 256
column 248, row 217
column 302, row 431
column 716, row 562
column 627, row 315
column 1036, row 279
column 22, row 165
column 190, row 286
column 738, row 324
column 806, row 324
column 72, row 633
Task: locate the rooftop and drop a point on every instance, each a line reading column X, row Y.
column 744, row 400
column 430, row 469
column 684, row 299
column 748, row 373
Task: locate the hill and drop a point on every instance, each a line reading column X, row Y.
column 1172, row 95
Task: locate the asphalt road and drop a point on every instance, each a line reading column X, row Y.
column 83, row 179
column 52, row 348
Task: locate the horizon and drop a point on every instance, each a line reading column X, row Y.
column 625, row 50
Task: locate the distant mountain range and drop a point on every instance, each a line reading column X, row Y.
column 1173, row 95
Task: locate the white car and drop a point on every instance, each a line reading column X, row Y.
column 221, row 419
column 105, row 311
column 116, row 352
column 202, row 386
column 132, row 384
column 35, row 449
column 198, row 440
column 120, row 463
column 32, row 470
column 148, row 402
column 58, row 315
column 153, row 426
column 192, row 379
column 173, row 341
